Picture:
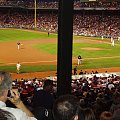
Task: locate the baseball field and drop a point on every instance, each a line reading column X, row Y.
column 38, row 53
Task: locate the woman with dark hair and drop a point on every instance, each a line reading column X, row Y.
column 89, row 114
column 116, row 102
column 86, row 114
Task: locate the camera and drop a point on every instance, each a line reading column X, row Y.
column 9, row 93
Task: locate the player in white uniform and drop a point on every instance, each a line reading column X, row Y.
column 18, row 45
column 18, row 65
column 102, row 37
column 79, row 60
column 112, row 41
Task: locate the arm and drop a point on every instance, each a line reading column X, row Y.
column 15, row 99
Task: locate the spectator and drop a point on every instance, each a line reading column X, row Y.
column 81, row 72
column 116, row 115
column 66, row 108
column 43, row 100
column 106, row 115
column 86, row 114
column 21, row 112
column 116, row 102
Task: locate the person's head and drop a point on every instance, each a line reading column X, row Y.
column 66, row 108
column 86, row 114
column 116, row 97
column 116, row 114
column 48, row 85
column 5, row 85
column 106, row 115
column 5, row 115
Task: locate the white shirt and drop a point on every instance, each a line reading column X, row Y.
column 111, row 39
column 110, row 86
column 18, row 113
column 18, row 65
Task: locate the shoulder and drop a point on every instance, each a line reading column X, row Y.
column 19, row 114
column 38, row 92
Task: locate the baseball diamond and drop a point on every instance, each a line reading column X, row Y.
column 41, row 53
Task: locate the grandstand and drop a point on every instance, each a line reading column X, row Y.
column 96, row 82
column 85, row 17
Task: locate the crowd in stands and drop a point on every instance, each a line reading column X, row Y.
column 95, row 98
column 83, row 24
column 98, row 95
column 96, row 25
column 99, row 4
column 54, row 4
column 47, row 22
column 87, row 24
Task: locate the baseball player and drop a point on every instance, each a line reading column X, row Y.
column 18, row 45
column 18, row 65
column 112, row 41
column 102, row 37
column 79, row 59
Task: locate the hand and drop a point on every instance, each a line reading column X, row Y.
column 15, row 99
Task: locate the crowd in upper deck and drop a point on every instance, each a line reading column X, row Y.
column 54, row 4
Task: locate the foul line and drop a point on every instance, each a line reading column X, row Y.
column 74, row 59
column 30, row 62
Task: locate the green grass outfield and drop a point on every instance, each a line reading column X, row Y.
column 17, row 34
column 102, row 58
